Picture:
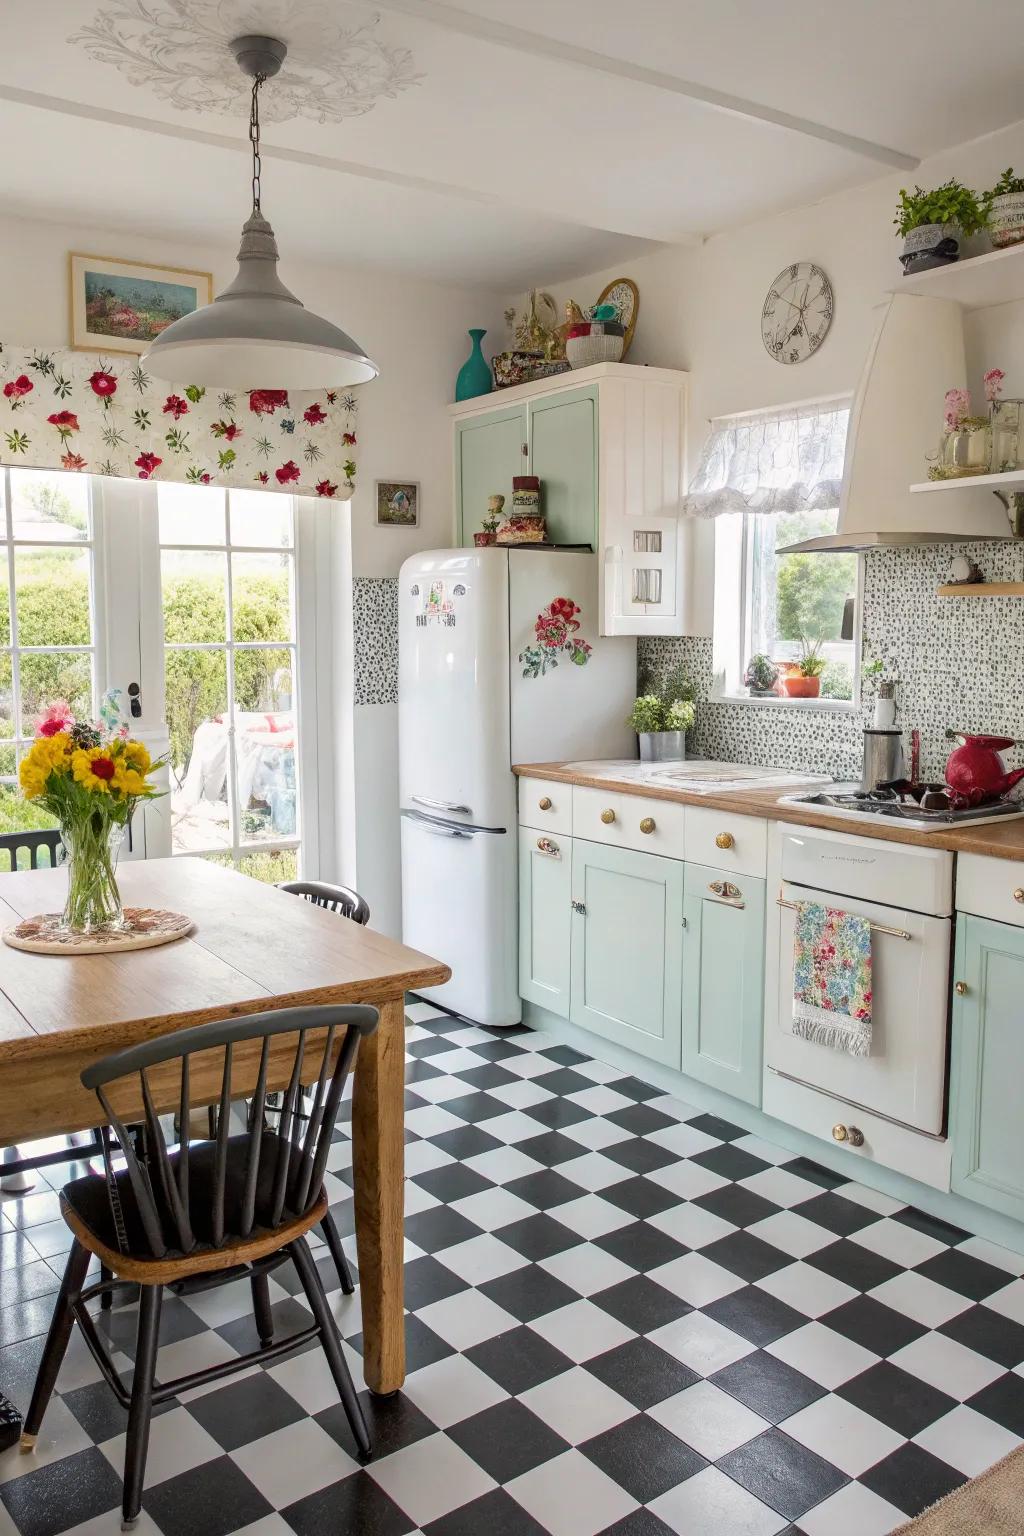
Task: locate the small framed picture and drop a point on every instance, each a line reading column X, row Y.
column 398, row 503
column 121, row 306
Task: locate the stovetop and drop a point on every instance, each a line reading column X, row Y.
column 858, row 804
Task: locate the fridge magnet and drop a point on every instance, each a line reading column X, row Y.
column 437, row 608
column 555, row 632
column 398, row 504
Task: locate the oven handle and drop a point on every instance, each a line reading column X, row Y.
column 802, row 1082
column 897, row 933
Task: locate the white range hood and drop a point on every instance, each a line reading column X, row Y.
column 895, row 425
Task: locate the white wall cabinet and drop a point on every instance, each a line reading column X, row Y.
column 609, row 444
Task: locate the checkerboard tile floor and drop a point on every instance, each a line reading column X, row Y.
column 625, row 1316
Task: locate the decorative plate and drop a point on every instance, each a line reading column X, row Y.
column 145, row 928
column 625, row 295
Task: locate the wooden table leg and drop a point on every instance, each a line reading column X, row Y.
column 378, row 1159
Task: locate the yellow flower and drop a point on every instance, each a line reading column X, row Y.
column 129, row 782
column 46, row 754
column 84, row 766
column 32, row 779
column 137, row 755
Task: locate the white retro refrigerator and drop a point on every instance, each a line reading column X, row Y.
column 500, row 662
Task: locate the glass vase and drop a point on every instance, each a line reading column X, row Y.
column 93, row 902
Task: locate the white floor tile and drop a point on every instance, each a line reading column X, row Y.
column 576, row 1405
column 711, row 1502
column 177, row 1442
column 418, row 1013
column 696, row 1279
column 582, row 1330
column 842, row 1434
column 293, row 1462
column 106, row 1525
column 767, row 1151
column 708, row 1419
column 687, row 1180
column 1009, row 1302
column 853, row 1511
column 781, row 1187
column 591, row 1216
column 991, row 1253
column 79, row 1369
column 692, row 1225
column 452, row 1389
column 520, row 1094
column 458, row 1060
column 528, row 1065
column 807, row 1289
column 437, row 1089
column 682, row 1139
column 513, row 1127
column 945, row 1364
column 593, row 1171
column 493, row 1208
column 569, row 1496
column 60, row 1435
column 967, row 1440
column 307, row 1378
column 481, row 1258
column 872, row 1199
column 502, row 1164
column 466, row 1319
column 597, row 1134
column 903, row 1244
column 793, row 1233
column 920, row 1298
column 416, row 1198
column 431, row 1120
column 421, row 1157
column 430, row 1478
column 470, row 1034
column 600, row 1100
column 668, row 1104
column 193, row 1354
column 587, row 1268
column 826, row 1357
column 701, row 1343
column 598, row 1071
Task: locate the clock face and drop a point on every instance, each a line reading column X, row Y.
column 797, row 313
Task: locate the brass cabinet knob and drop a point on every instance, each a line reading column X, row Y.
column 1018, row 894
column 961, row 989
column 725, row 840
column 840, row 1133
column 544, row 803
column 647, row 825
column 855, row 1136
column 608, row 817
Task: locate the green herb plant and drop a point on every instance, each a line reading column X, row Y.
column 951, row 203
column 812, row 662
column 1006, row 186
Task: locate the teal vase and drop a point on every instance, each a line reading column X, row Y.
column 475, row 374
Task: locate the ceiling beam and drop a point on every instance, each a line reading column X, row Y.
column 453, row 19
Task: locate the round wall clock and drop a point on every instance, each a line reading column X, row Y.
column 797, row 313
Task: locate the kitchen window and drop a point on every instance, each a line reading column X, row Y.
column 771, row 480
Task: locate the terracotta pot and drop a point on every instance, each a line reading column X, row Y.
column 802, row 687
column 484, row 540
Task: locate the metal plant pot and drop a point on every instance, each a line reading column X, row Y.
column 930, row 245
column 662, row 746
column 1006, row 219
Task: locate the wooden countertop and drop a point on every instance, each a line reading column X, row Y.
column 1000, row 841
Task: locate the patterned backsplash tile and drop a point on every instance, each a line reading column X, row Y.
column 958, row 661
column 375, row 639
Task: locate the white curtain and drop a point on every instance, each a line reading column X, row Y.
column 787, row 461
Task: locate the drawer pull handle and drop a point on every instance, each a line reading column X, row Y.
column 544, row 803
column 647, row 825
column 725, row 840
column 549, row 846
column 1018, row 894
column 608, row 817
column 579, row 906
column 727, row 893
column 849, row 1134
column 961, row 989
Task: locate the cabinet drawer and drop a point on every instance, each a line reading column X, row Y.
column 738, row 844
column 990, row 888
column 628, row 821
column 545, row 805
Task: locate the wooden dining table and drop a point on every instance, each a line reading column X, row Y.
column 252, row 947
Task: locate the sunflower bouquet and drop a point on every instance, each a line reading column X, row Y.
column 90, row 777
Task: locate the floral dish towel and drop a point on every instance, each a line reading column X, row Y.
column 832, row 978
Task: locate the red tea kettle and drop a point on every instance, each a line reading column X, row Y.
column 976, row 771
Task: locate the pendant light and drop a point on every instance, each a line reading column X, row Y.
column 257, row 334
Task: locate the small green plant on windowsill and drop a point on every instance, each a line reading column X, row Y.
column 812, row 663
column 761, row 676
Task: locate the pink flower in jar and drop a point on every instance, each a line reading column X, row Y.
column 993, row 382
column 957, row 406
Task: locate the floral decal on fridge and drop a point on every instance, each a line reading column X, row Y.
column 555, row 632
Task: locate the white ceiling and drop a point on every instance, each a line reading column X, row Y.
column 493, row 141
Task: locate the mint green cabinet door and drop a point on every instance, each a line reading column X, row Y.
column 563, row 452
column 545, row 912
column 488, row 452
column 987, row 1067
column 627, row 948
column 723, row 980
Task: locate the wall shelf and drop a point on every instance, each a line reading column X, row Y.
column 1011, row 477
column 983, row 589
column 997, row 277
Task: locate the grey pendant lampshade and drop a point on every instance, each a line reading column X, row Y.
column 257, row 334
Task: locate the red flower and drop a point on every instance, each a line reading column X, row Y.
column 103, row 767
column 205, row 477
column 102, row 384
column 226, row 429
column 263, row 477
column 22, row 385
column 266, row 401
column 64, row 421
column 146, row 463
column 314, row 414
column 287, row 473
column 565, row 608
column 349, row 439
column 72, row 461
column 175, row 406
column 325, row 488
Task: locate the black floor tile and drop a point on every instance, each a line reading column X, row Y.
column 769, row 1386
column 495, row 1513
column 489, row 1076
column 996, row 1337
column 290, row 1316
column 563, row 1080
column 641, row 1119
column 518, row 1360
column 545, row 1189
column 507, row 1440
column 931, row 1226
column 563, row 1056
column 451, row 1182
column 877, row 1327
column 730, row 1162
column 476, row 1107
column 962, row 1272
column 552, row 1149
column 755, row 1315
column 743, row 1254
column 634, row 1089
column 641, row 1246
column 639, row 1197
column 904, row 1402
column 641, row 1372
column 640, row 1155
column 853, row 1264
column 912, row 1478
column 538, row 1237
column 740, row 1206
column 243, row 1410
column 804, row 1168
column 839, row 1215
column 782, row 1473
column 641, row 1304
column 528, row 1292
column 393, row 1422
column 712, row 1125
column 1003, row 1401
column 643, row 1457
column 465, row 1141
column 557, row 1114
column 356, row 1504
column 439, row 1228
column 210, row 1500
column 427, row 1280
column 64, row 1494
column 642, row 1522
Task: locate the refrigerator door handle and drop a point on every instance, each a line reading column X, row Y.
column 442, row 805
column 437, row 830
column 423, row 820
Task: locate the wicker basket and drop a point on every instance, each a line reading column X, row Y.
column 594, row 341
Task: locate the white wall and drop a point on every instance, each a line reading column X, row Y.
column 700, row 307
column 416, row 333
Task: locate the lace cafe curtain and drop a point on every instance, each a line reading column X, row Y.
column 787, row 461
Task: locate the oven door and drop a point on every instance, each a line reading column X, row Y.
column 903, row 1077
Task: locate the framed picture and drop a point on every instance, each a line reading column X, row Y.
column 120, row 306
column 398, row 503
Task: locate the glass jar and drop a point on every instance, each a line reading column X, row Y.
column 1004, row 419
column 966, row 450
column 93, row 902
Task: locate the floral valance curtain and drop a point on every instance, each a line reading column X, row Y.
column 787, row 461
column 109, row 416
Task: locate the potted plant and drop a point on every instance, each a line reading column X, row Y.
column 807, row 683
column 933, row 223
column 761, row 677
column 1006, row 205
column 660, row 727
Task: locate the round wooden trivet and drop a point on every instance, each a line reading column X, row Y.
column 146, row 928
